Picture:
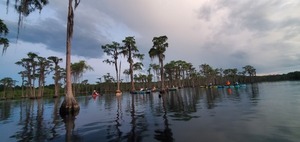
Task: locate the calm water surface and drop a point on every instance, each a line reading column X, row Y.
column 264, row 112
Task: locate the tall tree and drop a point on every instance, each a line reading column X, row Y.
column 170, row 72
column 43, row 66
column 7, row 82
column 250, row 70
column 23, row 74
column 30, row 64
column 113, row 50
column 57, row 75
column 207, row 71
column 158, row 49
column 131, row 51
column 78, row 69
column 26, row 73
column 32, row 59
column 69, row 105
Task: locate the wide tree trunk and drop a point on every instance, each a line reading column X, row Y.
column 56, row 88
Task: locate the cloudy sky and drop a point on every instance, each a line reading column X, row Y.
column 221, row 33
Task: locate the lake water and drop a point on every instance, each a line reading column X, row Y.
column 263, row 112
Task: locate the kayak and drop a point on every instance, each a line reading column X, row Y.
column 95, row 94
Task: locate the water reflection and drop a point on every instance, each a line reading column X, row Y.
column 71, row 135
column 254, row 91
column 182, row 104
column 119, row 118
column 55, row 121
column 5, row 110
column 189, row 114
column 138, row 120
column 33, row 128
column 165, row 134
column 133, row 135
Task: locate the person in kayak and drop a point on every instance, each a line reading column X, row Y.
column 95, row 93
column 227, row 82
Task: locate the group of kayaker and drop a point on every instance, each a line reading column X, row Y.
column 228, row 83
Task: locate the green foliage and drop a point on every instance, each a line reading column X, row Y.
column 3, row 32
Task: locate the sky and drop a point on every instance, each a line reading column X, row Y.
column 222, row 33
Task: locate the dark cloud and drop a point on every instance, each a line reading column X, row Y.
column 52, row 33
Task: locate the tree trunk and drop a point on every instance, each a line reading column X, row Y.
column 22, row 87
column 33, row 84
column 163, row 89
column 40, row 87
column 118, row 71
column 69, row 105
column 131, row 77
column 56, row 87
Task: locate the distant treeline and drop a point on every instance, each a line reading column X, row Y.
column 265, row 78
column 108, row 87
column 279, row 77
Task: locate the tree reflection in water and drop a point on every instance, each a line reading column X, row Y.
column 138, row 122
column 26, row 132
column 166, row 134
column 5, row 110
column 71, row 136
column 56, row 119
column 182, row 104
column 69, row 121
column 132, row 135
column 119, row 118
column 254, row 90
column 211, row 96
column 33, row 127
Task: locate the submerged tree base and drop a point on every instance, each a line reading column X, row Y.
column 38, row 97
column 69, row 107
column 118, row 91
column 32, row 98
